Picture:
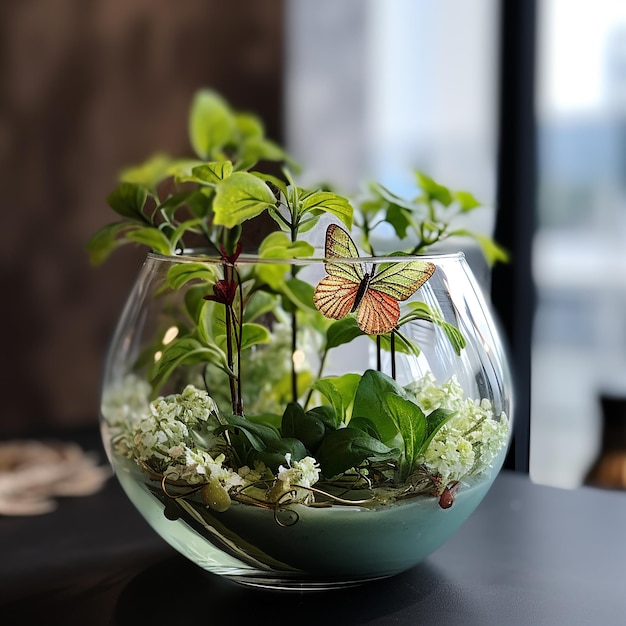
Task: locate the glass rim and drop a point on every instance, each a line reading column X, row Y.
column 194, row 255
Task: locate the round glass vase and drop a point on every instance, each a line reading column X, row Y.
column 287, row 430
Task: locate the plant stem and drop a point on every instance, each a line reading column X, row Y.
column 393, row 354
column 294, row 345
column 319, row 375
column 378, row 354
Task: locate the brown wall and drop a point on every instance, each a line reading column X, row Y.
column 86, row 88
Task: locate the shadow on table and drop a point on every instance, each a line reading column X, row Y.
column 178, row 590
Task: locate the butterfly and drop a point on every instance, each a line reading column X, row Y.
column 373, row 294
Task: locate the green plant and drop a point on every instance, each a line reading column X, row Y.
column 366, row 429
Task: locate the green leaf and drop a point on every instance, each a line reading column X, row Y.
column 400, row 219
column 370, row 402
column 340, row 391
column 342, row 331
column 182, row 273
column 249, row 125
column 411, row 422
column 212, row 173
column 258, row 149
column 200, row 201
column 466, row 201
column 107, row 239
column 492, row 251
column 241, row 197
column 306, row 427
column 326, row 414
column 149, row 173
column 253, row 334
column 185, row 351
column 402, row 344
column 434, row 190
column 260, row 302
column 434, row 421
column 366, row 425
column 272, row 274
column 298, row 292
column 275, row 454
column 348, row 447
column 421, row 311
column 195, row 302
column 211, row 123
column 327, row 202
column 278, row 245
column 153, row 238
column 259, row 435
column 128, row 200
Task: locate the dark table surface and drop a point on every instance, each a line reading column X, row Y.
column 529, row 554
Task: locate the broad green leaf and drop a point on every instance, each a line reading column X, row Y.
column 466, row 201
column 249, row 125
column 340, row 391
column 185, row 351
column 182, row 169
column 348, row 447
column 299, row 293
column 402, row 344
column 181, row 273
column 369, row 402
column 153, row 238
column 200, row 201
column 366, row 425
column 384, row 198
column 253, row 334
column 275, row 453
column 278, row 245
column 326, row 414
column 328, row 202
column 260, row 302
column 306, row 427
column 149, row 173
column 493, row 252
column 421, row 311
column 211, row 123
column 274, row 182
column 241, row 197
column 257, row 149
column 212, row 173
column 434, row 421
column 434, row 190
column 195, row 302
column 411, row 422
column 171, row 204
column 259, row 435
column 107, row 239
column 400, row 219
column 272, row 274
column 128, row 200
column 342, row 331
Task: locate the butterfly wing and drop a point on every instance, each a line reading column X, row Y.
column 378, row 313
column 334, row 296
column 402, row 279
column 339, row 245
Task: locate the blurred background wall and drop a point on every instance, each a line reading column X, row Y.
column 88, row 87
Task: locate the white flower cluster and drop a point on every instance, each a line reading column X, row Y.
column 296, row 477
column 172, row 437
column 467, row 443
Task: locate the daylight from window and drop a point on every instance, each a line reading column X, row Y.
column 579, row 348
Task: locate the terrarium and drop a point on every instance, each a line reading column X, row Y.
column 312, row 413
